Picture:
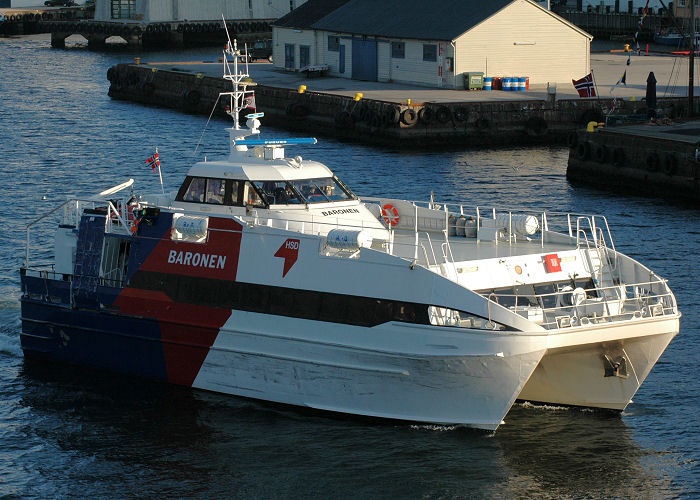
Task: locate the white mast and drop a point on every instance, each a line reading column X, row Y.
column 237, row 97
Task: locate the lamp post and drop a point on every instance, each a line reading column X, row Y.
column 691, row 59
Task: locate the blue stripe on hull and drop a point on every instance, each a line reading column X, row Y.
column 99, row 339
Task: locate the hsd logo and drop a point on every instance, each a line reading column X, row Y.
column 289, row 251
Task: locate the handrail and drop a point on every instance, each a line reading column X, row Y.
column 642, row 297
column 111, row 210
column 26, row 258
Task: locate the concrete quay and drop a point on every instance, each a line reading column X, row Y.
column 412, row 116
column 651, row 159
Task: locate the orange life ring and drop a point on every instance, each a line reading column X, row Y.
column 390, row 215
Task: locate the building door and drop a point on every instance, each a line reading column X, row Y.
column 364, row 59
column 303, row 56
column 341, row 58
column 288, row 56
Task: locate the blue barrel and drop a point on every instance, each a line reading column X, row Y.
column 488, row 82
column 507, row 84
column 521, row 84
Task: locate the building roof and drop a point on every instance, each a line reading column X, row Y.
column 436, row 20
column 416, row 19
column 304, row 16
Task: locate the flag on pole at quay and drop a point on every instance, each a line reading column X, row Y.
column 585, row 86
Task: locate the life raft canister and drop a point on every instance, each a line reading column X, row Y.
column 390, row 215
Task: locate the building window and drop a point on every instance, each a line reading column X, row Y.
column 304, row 51
column 398, row 50
column 333, row 43
column 681, row 3
column 429, row 52
column 123, row 9
column 289, row 56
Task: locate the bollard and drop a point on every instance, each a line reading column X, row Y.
column 137, row 60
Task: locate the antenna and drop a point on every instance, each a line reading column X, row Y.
column 236, row 77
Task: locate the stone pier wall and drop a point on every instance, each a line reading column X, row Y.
column 486, row 123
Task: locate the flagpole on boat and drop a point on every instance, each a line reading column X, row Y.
column 160, row 176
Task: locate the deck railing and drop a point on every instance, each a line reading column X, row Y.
column 570, row 307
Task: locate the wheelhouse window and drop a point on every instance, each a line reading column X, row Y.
column 211, row 191
column 322, row 190
column 216, row 190
column 278, row 192
column 195, row 191
column 253, row 196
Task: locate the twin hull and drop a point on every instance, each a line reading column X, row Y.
column 264, row 316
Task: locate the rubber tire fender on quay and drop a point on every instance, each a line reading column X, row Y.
column 536, row 125
column 601, row 153
column 670, row 164
column 344, row 119
column 191, row 97
column 461, row 114
column 652, row 161
column 443, row 114
column 482, row 123
column 583, row 150
column 425, row 115
column 409, row 117
column 619, row 157
column 393, row 115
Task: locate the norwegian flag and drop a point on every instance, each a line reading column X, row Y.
column 249, row 102
column 585, row 86
column 153, row 161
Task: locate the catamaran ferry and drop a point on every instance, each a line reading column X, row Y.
column 265, row 276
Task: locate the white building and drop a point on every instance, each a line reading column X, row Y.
column 431, row 43
column 153, row 11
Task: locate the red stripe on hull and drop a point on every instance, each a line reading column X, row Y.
column 187, row 331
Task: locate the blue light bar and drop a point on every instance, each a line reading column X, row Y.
column 275, row 142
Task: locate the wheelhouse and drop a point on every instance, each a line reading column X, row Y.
column 262, row 193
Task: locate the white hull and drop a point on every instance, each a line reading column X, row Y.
column 573, row 371
column 440, row 377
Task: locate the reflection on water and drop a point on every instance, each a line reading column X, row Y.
column 569, row 451
column 100, row 426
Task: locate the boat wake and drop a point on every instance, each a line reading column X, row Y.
column 433, row 427
column 548, row 407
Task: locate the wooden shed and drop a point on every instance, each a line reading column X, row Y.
column 434, row 43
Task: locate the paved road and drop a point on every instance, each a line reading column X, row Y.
column 671, row 74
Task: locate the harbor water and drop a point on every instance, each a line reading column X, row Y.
column 67, row 431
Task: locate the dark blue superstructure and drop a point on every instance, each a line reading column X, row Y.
column 72, row 318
